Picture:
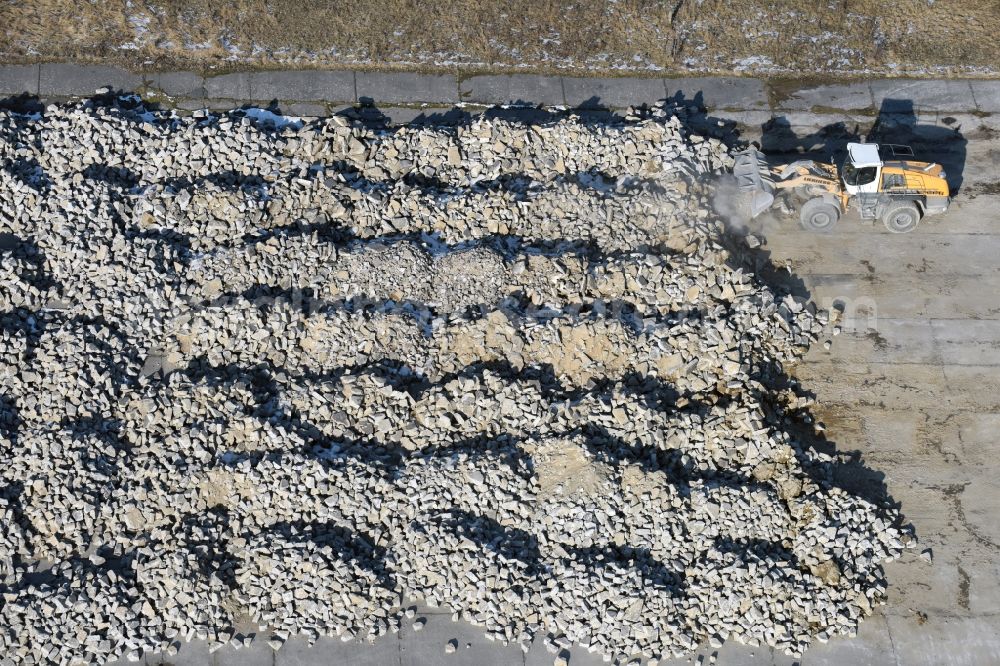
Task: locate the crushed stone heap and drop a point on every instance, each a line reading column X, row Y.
column 281, row 381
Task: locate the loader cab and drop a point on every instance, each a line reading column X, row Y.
column 862, row 168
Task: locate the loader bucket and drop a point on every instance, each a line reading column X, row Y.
column 753, row 178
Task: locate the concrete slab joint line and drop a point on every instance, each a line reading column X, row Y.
column 177, row 84
column 719, row 94
column 986, row 94
column 892, row 641
column 975, row 102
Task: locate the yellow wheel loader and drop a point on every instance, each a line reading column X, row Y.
column 880, row 181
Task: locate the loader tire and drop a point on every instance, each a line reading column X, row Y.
column 801, row 194
column 902, row 217
column 806, row 192
column 819, row 216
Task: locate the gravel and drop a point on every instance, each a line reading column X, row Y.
column 267, row 383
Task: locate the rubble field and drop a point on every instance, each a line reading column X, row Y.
column 258, row 382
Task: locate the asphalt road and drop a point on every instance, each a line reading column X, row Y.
column 911, row 386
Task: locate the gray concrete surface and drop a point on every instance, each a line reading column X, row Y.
column 229, row 86
column 845, row 96
column 987, row 95
column 303, row 85
column 912, row 385
column 612, row 93
column 513, row 89
column 721, row 92
column 941, row 95
column 19, row 78
column 746, row 99
column 70, row 79
column 406, row 87
column 177, row 84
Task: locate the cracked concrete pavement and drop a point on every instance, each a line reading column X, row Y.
column 912, row 385
column 316, row 92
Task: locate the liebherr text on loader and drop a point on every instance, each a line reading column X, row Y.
column 880, row 181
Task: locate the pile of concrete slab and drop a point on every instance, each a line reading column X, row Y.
column 261, row 382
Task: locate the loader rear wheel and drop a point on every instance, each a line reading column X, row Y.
column 818, row 215
column 901, row 217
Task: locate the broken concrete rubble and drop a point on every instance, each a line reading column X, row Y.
column 299, row 376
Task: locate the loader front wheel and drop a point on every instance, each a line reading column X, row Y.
column 901, row 217
column 818, row 215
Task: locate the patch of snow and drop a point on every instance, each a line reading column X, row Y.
column 200, row 46
column 140, row 24
column 229, row 47
column 595, row 182
column 553, row 38
column 753, row 62
column 266, row 117
column 140, row 30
